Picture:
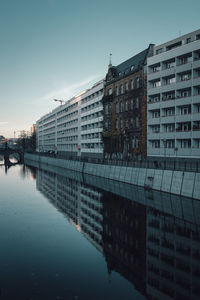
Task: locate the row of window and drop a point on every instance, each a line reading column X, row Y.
column 91, row 145
column 91, row 106
column 91, row 126
column 174, row 111
column 123, row 106
column 122, row 88
column 68, row 108
column 92, row 116
column 92, row 96
column 95, row 135
column 170, row 143
column 69, row 131
column 178, row 44
column 68, row 116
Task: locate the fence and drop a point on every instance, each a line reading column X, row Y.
column 189, row 165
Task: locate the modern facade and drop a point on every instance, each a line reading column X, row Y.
column 74, row 127
column 173, row 109
column 124, row 108
column 91, row 121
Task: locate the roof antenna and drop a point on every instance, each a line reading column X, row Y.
column 110, row 62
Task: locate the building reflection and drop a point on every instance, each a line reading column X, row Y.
column 159, row 253
column 173, row 257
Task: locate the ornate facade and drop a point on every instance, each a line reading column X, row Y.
column 124, row 108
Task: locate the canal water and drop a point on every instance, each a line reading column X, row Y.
column 64, row 235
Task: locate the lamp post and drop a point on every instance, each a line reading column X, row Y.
column 125, row 152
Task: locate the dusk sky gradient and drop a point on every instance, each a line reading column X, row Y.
column 57, row 48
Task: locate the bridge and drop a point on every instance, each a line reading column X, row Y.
column 7, row 152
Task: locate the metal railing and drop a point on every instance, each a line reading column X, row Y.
column 189, row 165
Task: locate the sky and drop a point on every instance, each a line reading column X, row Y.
column 57, row 48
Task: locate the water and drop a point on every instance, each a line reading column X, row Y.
column 68, row 236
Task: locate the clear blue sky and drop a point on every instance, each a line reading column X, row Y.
column 56, row 48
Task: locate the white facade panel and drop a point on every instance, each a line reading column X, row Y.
column 173, row 96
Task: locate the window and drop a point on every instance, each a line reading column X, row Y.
column 169, row 127
column 188, row 40
column 133, row 142
column 121, row 123
column 156, row 113
column 137, row 103
column 170, row 143
column 156, row 68
column 197, row 143
column 121, row 89
column 126, row 86
column 131, row 83
column 117, row 90
column 121, row 106
column 106, row 109
column 137, row 122
column 156, row 144
column 185, row 143
column 127, row 124
column 126, row 107
column 169, row 65
column 132, row 122
column 116, row 124
column 185, row 93
column 156, row 83
column 158, row 51
column 106, row 125
column 110, row 91
column 198, row 37
column 185, row 110
column 170, row 80
column 137, row 82
column 131, row 103
column 117, row 107
column 156, row 129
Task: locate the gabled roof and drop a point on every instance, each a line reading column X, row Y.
column 129, row 66
column 136, row 62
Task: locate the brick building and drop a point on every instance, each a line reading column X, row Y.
column 124, row 108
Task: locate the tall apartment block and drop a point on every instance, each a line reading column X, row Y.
column 75, row 127
column 173, row 109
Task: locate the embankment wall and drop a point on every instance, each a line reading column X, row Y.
column 175, row 182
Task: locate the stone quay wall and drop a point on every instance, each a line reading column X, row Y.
column 180, row 183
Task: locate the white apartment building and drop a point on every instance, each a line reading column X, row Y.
column 91, row 121
column 173, row 98
column 59, row 130
column 75, row 127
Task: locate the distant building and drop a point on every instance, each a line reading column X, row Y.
column 173, row 117
column 33, row 128
column 75, row 127
column 124, row 108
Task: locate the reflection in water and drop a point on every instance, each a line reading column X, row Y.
column 158, row 252
column 9, row 160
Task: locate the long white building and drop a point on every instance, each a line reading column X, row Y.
column 75, row 127
column 173, row 108
column 91, row 121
